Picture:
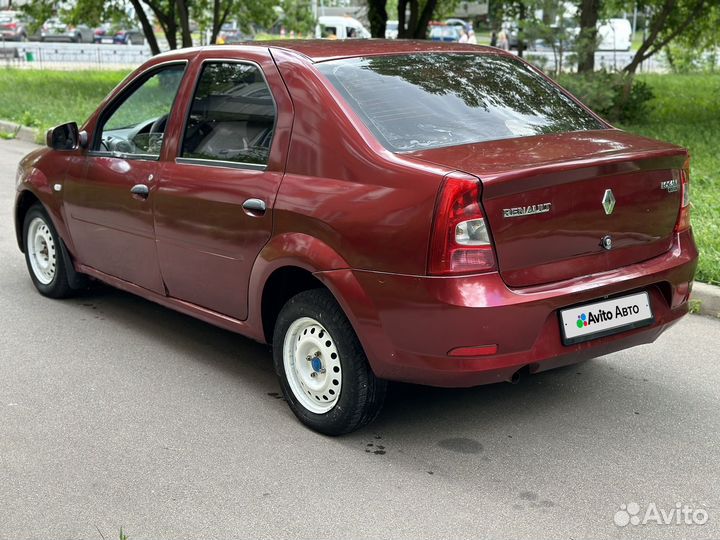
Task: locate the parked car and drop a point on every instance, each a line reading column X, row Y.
column 391, row 29
column 433, row 213
column 334, row 27
column 463, row 24
column 442, row 32
column 13, row 26
column 56, row 30
column 132, row 36
column 104, row 34
column 614, row 35
column 230, row 34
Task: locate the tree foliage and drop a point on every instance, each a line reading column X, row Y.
column 173, row 16
column 669, row 20
column 297, row 16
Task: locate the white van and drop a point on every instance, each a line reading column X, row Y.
column 331, row 27
column 614, row 35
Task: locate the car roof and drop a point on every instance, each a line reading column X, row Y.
column 322, row 50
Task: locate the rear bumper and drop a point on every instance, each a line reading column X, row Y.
column 408, row 324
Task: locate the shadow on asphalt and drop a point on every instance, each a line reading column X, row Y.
column 408, row 408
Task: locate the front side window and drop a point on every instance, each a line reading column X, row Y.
column 232, row 116
column 418, row 101
column 137, row 124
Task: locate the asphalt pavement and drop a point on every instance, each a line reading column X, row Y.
column 116, row 412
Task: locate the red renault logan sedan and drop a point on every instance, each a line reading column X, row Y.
column 434, row 213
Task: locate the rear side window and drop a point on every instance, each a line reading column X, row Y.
column 414, row 102
column 232, row 116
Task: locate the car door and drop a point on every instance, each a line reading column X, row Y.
column 213, row 205
column 109, row 204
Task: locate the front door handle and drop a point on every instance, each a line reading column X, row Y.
column 254, row 207
column 140, row 191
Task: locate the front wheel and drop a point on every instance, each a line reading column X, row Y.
column 324, row 373
column 43, row 255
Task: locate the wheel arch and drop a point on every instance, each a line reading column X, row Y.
column 284, row 283
column 25, row 200
column 294, row 262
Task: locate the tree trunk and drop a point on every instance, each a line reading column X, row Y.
column 412, row 23
column 146, row 27
column 184, row 23
column 588, row 35
column 422, row 23
column 170, row 28
column 402, row 9
column 377, row 15
column 651, row 45
column 416, row 26
column 167, row 22
column 219, row 17
column 521, row 25
column 215, row 22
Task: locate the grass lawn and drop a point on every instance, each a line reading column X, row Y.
column 45, row 98
column 685, row 111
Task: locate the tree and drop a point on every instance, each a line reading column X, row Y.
column 298, row 16
column 668, row 20
column 213, row 14
column 413, row 27
column 586, row 42
column 378, row 17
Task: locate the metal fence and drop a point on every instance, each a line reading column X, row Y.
column 76, row 56
column 609, row 60
column 72, row 56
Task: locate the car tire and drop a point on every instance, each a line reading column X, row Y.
column 335, row 391
column 45, row 256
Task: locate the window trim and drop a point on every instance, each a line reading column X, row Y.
column 220, row 163
column 180, row 160
column 117, row 102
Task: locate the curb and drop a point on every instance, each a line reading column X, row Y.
column 21, row 132
column 705, row 299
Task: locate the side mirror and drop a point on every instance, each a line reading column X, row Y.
column 66, row 137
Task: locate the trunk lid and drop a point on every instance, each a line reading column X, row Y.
column 545, row 196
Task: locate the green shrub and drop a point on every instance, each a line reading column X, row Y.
column 684, row 59
column 617, row 97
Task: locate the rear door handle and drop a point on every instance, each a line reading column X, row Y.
column 254, row 207
column 140, row 190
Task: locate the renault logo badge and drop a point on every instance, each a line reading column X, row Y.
column 608, row 201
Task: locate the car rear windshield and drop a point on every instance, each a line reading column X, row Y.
column 418, row 101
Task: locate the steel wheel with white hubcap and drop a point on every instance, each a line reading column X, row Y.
column 312, row 365
column 44, row 254
column 323, row 371
column 41, row 251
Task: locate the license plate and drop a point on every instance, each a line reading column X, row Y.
column 591, row 321
column 107, row 40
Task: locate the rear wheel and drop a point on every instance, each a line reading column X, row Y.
column 44, row 256
column 324, row 373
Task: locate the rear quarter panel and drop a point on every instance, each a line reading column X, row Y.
column 372, row 207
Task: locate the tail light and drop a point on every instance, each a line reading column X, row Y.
column 460, row 242
column 683, row 220
column 12, row 26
